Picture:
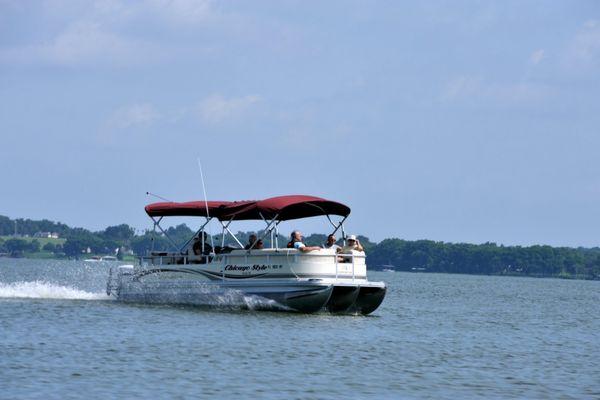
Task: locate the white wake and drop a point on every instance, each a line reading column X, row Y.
column 44, row 290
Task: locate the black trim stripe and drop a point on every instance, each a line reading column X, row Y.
column 157, row 270
column 219, row 275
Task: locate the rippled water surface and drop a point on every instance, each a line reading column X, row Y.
column 435, row 336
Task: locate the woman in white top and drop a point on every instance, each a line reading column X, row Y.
column 352, row 243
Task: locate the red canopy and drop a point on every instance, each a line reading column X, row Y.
column 286, row 207
column 186, row 209
column 282, row 208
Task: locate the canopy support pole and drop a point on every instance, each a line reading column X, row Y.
column 268, row 230
column 222, row 236
column 195, row 234
column 157, row 225
column 154, row 222
column 226, row 227
column 337, row 227
column 331, row 222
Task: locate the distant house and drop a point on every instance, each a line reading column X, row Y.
column 49, row 235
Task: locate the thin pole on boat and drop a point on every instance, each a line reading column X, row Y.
column 212, row 245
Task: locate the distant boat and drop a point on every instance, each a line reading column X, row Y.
column 388, row 268
column 418, row 269
column 101, row 258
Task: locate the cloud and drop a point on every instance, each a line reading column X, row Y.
column 82, row 44
column 216, row 108
column 135, row 115
column 133, row 121
column 100, row 34
column 462, row 86
column 86, row 42
column 537, row 56
column 128, row 124
column 182, row 11
column 583, row 52
column 478, row 89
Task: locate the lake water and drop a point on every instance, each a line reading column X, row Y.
column 435, row 336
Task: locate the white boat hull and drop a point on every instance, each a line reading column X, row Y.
column 272, row 280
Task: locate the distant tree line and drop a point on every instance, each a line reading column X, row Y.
column 19, row 246
column 487, row 258
column 402, row 255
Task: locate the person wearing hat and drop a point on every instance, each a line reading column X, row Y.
column 352, row 243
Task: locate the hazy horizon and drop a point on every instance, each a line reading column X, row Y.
column 451, row 121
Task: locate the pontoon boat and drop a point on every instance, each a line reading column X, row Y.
column 277, row 277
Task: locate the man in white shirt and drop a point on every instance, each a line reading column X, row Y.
column 330, row 244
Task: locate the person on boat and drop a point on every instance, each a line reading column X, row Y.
column 330, row 244
column 296, row 243
column 197, row 247
column 251, row 240
column 352, row 243
column 254, row 243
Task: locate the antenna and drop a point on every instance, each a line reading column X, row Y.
column 205, row 204
column 157, row 196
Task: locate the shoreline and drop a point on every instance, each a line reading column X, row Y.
column 565, row 276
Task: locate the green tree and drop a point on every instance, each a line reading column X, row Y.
column 121, row 232
column 74, row 247
column 34, row 246
column 15, row 246
column 50, row 247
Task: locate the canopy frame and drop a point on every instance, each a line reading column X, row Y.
column 201, row 229
column 338, row 227
column 226, row 228
column 267, row 230
column 278, row 209
column 157, row 225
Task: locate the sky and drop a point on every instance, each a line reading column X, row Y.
column 459, row 121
